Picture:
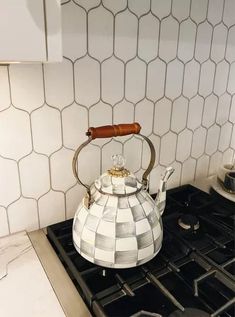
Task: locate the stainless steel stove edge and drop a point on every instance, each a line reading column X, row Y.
column 67, row 294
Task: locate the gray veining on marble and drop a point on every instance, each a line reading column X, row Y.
column 25, row 290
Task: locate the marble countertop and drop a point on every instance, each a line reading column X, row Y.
column 24, row 287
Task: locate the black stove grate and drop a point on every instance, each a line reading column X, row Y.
column 195, row 268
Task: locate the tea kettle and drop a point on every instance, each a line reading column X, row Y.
column 118, row 224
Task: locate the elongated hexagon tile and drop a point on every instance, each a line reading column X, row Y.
column 161, row 8
column 51, row 208
column 162, row 116
column 228, row 156
column 59, row 83
column 4, row 229
column 115, row 6
column 100, row 30
column 89, row 164
column 212, row 139
column 218, row 43
column 215, row 11
column 62, row 177
column 75, row 125
column 202, row 166
column 174, row 79
column 73, row 197
column 179, row 114
column 188, row 171
column 123, row 112
column 46, row 130
column 148, row 37
column 231, row 80
column 198, row 10
column 184, row 145
column 87, row 81
column 108, row 150
column 203, row 40
column 168, row 148
column 26, row 86
column 206, row 78
column 168, row 39
column 132, row 153
column 180, row 9
column 144, row 114
column 88, row 4
column 125, row 45
column 146, row 151
column 221, row 78
column 232, row 111
column 135, row 80
column 229, row 7
column 9, row 182
column 225, row 136
column 73, row 31
column 156, row 79
column 198, row 142
column 191, row 78
column 35, row 165
column 215, row 163
column 15, row 135
column 174, row 180
column 139, row 7
column 209, row 112
column 5, row 92
column 230, row 49
column 223, row 109
column 195, row 112
column 186, row 42
column 100, row 114
column 112, row 77
column 23, row 215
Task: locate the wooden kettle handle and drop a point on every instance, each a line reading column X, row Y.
column 109, row 131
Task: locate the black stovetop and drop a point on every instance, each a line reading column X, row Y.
column 195, row 268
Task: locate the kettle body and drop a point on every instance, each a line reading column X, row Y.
column 118, row 232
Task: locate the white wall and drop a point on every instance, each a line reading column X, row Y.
column 169, row 66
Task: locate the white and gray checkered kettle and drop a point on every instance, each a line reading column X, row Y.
column 118, row 224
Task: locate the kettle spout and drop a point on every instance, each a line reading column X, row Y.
column 160, row 200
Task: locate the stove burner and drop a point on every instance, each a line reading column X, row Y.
column 189, row 221
column 189, row 312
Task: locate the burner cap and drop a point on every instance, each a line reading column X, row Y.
column 188, row 221
column 189, row 312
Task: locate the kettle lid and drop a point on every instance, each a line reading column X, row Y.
column 118, row 180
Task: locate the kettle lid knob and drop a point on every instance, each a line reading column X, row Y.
column 118, row 161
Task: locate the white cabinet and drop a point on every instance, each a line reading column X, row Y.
column 30, row 31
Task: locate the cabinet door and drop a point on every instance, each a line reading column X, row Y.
column 22, row 31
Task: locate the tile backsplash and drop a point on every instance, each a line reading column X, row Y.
column 168, row 64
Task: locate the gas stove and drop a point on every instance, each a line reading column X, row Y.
column 192, row 275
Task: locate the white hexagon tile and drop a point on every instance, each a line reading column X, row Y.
column 34, row 175
column 167, row 64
